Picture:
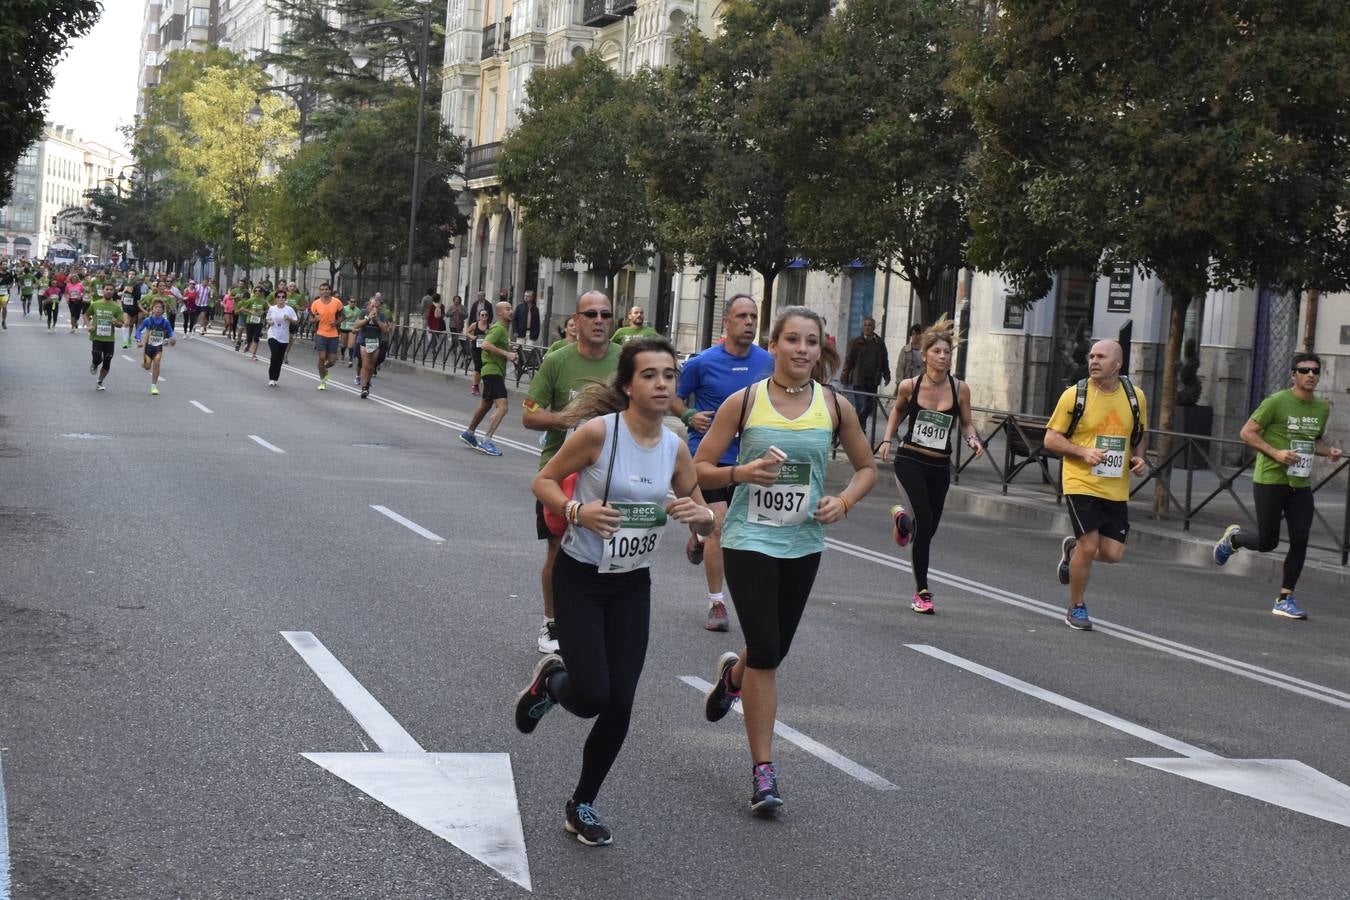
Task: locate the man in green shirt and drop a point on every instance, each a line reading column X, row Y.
column 252, row 310
column 634, row 328
column 1286, row 433
column 102, row 318
column 350, row 313
column 496, row 354
column 562, row 375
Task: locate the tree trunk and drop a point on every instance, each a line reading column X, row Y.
column 1166, row 403
column 359, row 266
column 709, row 305
column 925, row 296
column 766, row 306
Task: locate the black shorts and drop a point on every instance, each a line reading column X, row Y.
column 131, row 312
column 719, row 494
column 1109, row 518
column 494, row 387
column 540, row 526
column 103, row 352
column 152, row 352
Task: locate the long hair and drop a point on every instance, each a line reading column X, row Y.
column 608, row 397
column 825, row 367
column 944, row 329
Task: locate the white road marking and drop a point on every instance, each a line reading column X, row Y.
column 199, row 406
column 273, row 447
column 128, row 358
column 408, row 523
column 810, row 745
column 1142, row 638
column 4, row 838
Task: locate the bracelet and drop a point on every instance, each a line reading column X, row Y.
column 571, row 510
column 885, row 441
column 844, row 500
column 688, row 414
column 733, row 476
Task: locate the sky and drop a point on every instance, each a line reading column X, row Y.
column 95, row 87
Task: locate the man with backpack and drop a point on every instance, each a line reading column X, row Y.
column 1098, row 429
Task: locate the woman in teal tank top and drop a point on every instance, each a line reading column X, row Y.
column 774, row 530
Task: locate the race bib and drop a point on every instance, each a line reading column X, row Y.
column 103, row 329
column 1113, row 466
column 637, row 537
column 372, row 345
column 931, row 429
column 1301, row 467
column 784, row 501
column 156, row 339
column 254, row 320
column 479, row 343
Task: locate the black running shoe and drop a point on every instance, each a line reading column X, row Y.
column 584, row 822
column 765, row 801
column 534, row 702
column 720, row 697
column 1066, row 549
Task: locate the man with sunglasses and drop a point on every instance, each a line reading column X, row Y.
column 562, row 375
column 1286, row 432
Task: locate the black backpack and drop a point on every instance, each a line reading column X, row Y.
column 1080, row 402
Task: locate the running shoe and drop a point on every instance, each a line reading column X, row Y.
column 720, row 697
column 126, row 344
column 693, row 550
column 535, row 701
column 922, row 603
column 1077, row 618
column 548, row 637
column 271, row 384
column 1287, row 606
column 350, row 363
column 253, row 358
column 765, row 801
column 323, row 385
column 1065, row 554
column 100, row 387
column 357, row 381
column 1223, row 548
column 584, row 822
column 93, row 367
column 902, row 526
column 469, row 439
column 717, row 617
column 365, row 392
column 154, row 391
column 489, row 448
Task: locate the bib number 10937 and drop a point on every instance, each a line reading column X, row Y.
column 784, row 501
column 639, row 532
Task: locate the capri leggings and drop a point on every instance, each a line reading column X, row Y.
column 602, row 623
column 1295, row 506
column 770, row 595
column 925, row 482
column 252, row 331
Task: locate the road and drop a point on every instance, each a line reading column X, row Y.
column 153, row 716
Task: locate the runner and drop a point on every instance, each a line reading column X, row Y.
column 1286, row 433
column 561, row 377
column 476, row 331
column 51, row 302
column 326, row 311
column 774, row 533
column 33, row 283
column 155, row 329
column 131, row 313
column 1092, row 429
column 626, row 460
column 299, row 304
column 350, row 313
column 75, row 300
column 280, row 318
column 706, row 381
column 569, row 335
column 497, row 353
column 227, row 313
column 9, row 289
column 206, row 302
column 928, row 405
column 101, row 319
column 253, row 310
column 634, row 328
column 372, row 327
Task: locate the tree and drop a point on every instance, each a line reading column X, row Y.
column 33, row 36
column 567, row 164
column 1175, row 136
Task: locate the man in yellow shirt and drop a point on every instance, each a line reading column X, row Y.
column 1101, row 444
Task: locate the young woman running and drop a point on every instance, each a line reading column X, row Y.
column 928, row 405
column 774, row 532
column 626, row 460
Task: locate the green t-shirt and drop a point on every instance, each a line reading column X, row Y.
column 557, row 345
column 254, row 306
column 628, row 332
column 498, row 337
column 148, row 300
column 1283, row 419
column 562, row 375
column 349, row 315
column 105, row 316
column 297, row 302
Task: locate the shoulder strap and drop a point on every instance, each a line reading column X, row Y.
column 613, row 452
column 1079, row 404
column 911, row 406
column 745, row 407
column 838, row 417
column 1136, row 429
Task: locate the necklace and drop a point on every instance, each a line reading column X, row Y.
column 931, row 379
column 790, row 390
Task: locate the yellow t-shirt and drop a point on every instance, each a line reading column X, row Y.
column 1105, row 416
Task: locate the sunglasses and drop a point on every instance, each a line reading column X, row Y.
column 1307, row 370
column 597, row 313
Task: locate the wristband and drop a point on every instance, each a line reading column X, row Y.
column 733, row 476
column 688, row 414
column 844, row 500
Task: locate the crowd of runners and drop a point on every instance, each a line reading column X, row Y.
column 748, row 477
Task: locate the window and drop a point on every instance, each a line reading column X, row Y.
column 201, row 17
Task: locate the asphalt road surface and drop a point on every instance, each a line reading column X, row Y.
column 153, row 716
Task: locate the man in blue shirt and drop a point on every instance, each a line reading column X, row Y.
column 157, row 330
column 731, row 365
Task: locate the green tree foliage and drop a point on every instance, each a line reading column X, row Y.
column 33, row 36
column 568, row 166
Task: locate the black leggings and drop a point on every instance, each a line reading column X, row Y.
column 602, row 623
column 1295, row 506
column 52, row 310
column 925, row 482
column 770, row 595
column 190, row 319
column 278, row 357
column 252, row 332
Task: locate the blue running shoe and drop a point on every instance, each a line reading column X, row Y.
column 1077, row 618
column 1223, row 548
column 1288, row 607
column 489, row 448
column 584, row 822
column 535, row 701
column 765, row 801
column 469, row 439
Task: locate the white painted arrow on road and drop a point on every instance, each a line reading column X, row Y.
column 1287, row 783
column 468, row 799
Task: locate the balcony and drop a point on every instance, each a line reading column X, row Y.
column 506, row 33
column 596, row 13
column 625, row 7
column 489, row 41
column 481, row 161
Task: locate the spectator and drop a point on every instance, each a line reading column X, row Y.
column 865, row 366
column 525, row 322
column 911, row 358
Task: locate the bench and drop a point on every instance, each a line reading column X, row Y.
column 1024, row 444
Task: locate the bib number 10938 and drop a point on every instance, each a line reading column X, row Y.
column 784, row 501
column 639, row 532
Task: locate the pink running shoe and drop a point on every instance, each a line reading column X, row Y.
column 922, row 603
column 902, row 526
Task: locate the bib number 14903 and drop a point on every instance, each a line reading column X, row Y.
column 784, row 501
column 639, row 532
column 1113, row 463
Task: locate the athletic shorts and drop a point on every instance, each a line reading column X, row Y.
column 152, row 352
column 540, row 526
column 131, row 311
column 1109, row 518
column 102, row 351
column 719, row 494
column 328, row 345
column 494, row 387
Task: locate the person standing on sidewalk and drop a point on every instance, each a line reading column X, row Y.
column 1094, row 427
column 1286, row 433
column 280, row 318
column 866, row 365
column 525, row 321
column 706, row 381
column 496, row 354
column 910, row 364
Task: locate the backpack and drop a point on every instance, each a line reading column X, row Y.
column 1080, row 402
